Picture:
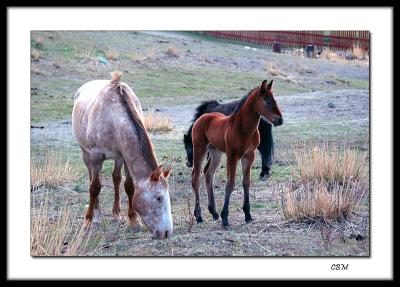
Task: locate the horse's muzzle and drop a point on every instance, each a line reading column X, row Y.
column 278, row 122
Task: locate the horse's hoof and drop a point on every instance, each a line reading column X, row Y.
column 225, row 223
column 225, row 227
column 199, row 220
column 248, row 219
column 135, row 229
column 215, row 217
column 264, row 177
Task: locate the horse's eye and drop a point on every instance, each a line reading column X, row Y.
column 159, row 198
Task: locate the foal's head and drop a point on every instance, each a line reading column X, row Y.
column 151, row 201
column 266, row 104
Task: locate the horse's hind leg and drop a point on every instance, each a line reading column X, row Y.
column 93, row 212
column 199, row 152
column 247, row 162
column 130, row 190
column 117, row 180
column 209, row 172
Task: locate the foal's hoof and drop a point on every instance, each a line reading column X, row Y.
column 248, row 219
column 225, row 224
column 135, row 228
column 199, row 219
column 264, row 177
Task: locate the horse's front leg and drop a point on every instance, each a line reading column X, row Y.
column 231, row 164
column 247, row 162
column 116, row 175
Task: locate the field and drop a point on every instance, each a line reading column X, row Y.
column 324, row 101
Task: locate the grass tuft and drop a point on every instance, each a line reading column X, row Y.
column 54, row 171
column 327, row 183
column 155, row 122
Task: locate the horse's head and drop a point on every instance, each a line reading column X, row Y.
column 151, row 201
column 266, row 104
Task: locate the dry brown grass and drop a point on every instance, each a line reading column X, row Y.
column 329, row 163
column 54, row 171
column 55, row 236
column 112, row 55
column 151, row 54
column 138, row 57
column 35, row 55
column 172, row 52
column 272, row 70
column 328, row 183
column 358, row 52
column 38, row 42
column 156, row 122
column 86, row 53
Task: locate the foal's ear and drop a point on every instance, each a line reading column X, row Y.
column 263, row 87
column 167, row 172
column 269, row 87
column 155, row 176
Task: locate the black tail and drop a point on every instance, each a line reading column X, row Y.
column 203, row 108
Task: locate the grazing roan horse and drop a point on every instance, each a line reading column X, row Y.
column 237, row 136
column 107, row 120
column 266, row 146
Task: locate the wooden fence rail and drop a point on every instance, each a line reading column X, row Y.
column 341, row 40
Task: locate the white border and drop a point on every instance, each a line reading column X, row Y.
column 22, row 20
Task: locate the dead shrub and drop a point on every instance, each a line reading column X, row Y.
column 54, row 171
column 156, row 122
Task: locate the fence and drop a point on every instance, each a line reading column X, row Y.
column 341, row 40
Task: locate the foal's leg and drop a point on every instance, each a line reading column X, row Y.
column 247, row 162
column 117, row 180
column 199, row 152
column 215, row 159
column 231, row 164
column 93, row 212
column 130, row 190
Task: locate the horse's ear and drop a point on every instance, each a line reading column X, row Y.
column 155, row 176
column 263, row 87
column 167, row 172
column 269, row 87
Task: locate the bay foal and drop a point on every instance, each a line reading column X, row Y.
column 237, row 136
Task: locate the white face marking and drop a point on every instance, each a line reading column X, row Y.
column 156, row 212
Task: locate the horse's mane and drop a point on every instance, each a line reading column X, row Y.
column 242, row 101
column 144, row 140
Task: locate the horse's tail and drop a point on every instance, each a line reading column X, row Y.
column 203, row 108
